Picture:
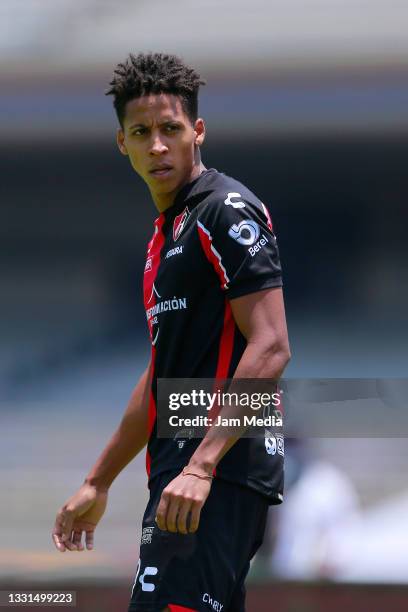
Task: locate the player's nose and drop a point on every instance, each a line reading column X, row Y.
column 157, row 146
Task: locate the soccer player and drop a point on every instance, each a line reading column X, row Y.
column 214, row 306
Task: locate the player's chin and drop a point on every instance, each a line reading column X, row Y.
column 163, row 184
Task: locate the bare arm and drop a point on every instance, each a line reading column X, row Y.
column 261, row 319
column 82, row 512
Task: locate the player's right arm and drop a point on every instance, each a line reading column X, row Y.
column 81, row 513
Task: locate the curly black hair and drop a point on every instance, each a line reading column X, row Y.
column 154, row 73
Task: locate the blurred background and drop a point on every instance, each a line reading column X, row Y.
column 307, row 104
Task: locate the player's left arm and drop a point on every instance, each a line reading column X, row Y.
column 261, row 319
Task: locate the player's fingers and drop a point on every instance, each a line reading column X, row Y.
column 77, row 539
column 66, row 520
column 69, row 544
column 57, row 534
column 183, row 513
column 195, row 517
column 59, row 544
column 162, row 511
column 172, row 512
column 89, row 539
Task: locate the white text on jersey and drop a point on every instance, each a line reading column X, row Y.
column 176, row 251
column 253, row 250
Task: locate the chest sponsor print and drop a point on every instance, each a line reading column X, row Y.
column 166, row 305
column 176, row 251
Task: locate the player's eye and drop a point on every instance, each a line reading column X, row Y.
column 139, row 131
column 171, row 127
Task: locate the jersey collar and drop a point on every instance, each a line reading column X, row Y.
column 184, row 194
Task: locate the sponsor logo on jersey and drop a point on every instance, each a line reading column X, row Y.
column 182, row 436
column 159, row 307
column 180, row 223
column 176, row 251
column 148, row 265
column 246, row 232
column 213, row 603
column 253, row 250
column 281, row 444
column 270, row 443
column 228, row 201
column 147, row 534
column 165, row 306
column 146, row 584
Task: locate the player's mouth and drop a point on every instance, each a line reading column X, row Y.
column 161, row 171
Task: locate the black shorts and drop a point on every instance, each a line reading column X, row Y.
column 206, row 570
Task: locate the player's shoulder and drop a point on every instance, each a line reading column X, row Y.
column 220, row 187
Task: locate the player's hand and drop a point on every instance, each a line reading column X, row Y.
column 181, row 502
column 78, row 516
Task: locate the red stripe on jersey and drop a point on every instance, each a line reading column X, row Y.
column 151, row 415
column 149, row 297
column 224, row 354
column 226, row 343
column 212, row 254
column 174, row 608
column 268, row 216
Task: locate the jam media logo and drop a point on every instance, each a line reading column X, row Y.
column 246, row 232
column 228, row 201
column 180, row 223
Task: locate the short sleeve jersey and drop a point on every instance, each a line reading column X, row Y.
column 214, row 244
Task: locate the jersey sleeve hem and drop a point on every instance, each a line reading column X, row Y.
column 254, row 285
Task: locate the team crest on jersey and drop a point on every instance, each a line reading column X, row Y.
column 180, row 223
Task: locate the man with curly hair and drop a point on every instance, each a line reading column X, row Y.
column 214, row 306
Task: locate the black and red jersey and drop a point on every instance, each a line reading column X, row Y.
column 214, row 244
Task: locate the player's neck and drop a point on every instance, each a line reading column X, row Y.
column 165, row 201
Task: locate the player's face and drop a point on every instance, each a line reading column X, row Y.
column 162, row 144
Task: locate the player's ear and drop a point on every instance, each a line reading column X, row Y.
column 199, row 130
column 120, row 139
